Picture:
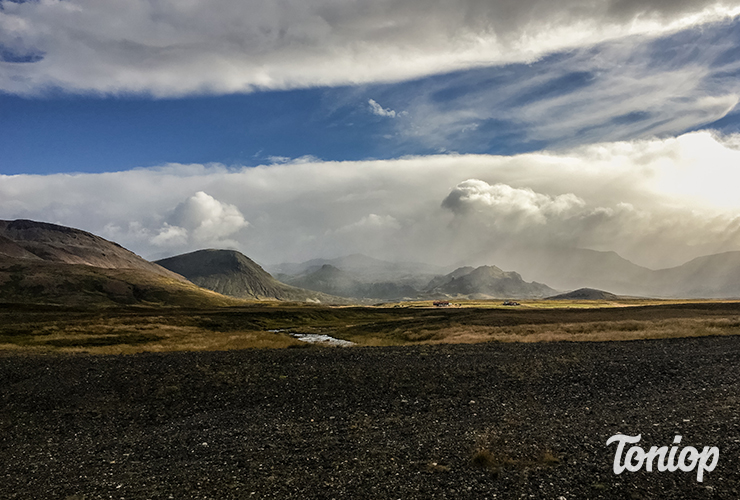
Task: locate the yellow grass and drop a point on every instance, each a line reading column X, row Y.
column 549, row 304
column 589, row 332
column 147, row 336
column 129, row 331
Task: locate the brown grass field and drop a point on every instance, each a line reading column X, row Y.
column 127, row 330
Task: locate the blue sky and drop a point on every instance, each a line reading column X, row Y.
column 59, row 131
column 302, row 128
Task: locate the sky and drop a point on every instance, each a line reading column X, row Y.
column 298, row 129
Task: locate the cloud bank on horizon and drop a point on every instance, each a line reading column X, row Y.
column 447, row 133
column 657, row 202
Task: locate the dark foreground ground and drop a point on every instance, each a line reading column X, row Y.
column 459, row 421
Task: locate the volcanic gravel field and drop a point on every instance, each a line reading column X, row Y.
column 454, row 421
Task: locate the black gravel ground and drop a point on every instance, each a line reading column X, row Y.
column 463, row 421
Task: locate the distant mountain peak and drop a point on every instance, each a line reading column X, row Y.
column 232, row 273
column 585, row 294
column 209, row 261
column 486, row 282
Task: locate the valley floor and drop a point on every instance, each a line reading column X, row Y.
column 493, row 420
column 128, row 330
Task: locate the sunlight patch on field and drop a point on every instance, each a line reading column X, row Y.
column 589, row 332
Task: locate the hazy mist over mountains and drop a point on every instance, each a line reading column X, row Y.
column 231, row 273
column 714, row 276
column 42, row 261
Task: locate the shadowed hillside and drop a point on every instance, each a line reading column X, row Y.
column 585, row 294
column 41, row 241
column 232, row 273
column 711, row 276
column 487, row 282
column 43, row 263
column 29, row 282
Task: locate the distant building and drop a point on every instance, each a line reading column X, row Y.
column 511, row 303
column 441, row 303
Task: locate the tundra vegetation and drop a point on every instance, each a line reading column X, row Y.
column 132, row 329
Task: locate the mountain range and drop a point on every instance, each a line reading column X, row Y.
column 51, row 264
column 359, row 276
column 232, row 273
column 48, row 263
column 711, row 276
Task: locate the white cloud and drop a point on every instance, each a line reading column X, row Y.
column 500, row 216
column 372, row 222
column 657, row 202
column 506, row 202
column 372, row 233
column 170, row 236
column 377, row 109
column 171, row 47
column 202, row 219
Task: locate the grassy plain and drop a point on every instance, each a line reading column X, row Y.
column 126, row 330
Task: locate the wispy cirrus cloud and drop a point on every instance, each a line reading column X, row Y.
column 621, row 90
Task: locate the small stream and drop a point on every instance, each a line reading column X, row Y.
column 316, row 338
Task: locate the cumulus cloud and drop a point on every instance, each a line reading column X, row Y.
column 207, row 218
column 377, row 109
column 169, row 236
column 202, row 220
column 170, row 47
column 501, row 216
column 658, row 202
column 506, row 202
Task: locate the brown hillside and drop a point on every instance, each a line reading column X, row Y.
column 232, row 273
column 26, row 239
column 43, row 263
